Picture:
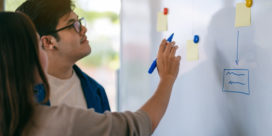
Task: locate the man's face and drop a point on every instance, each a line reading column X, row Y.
column 72, row 45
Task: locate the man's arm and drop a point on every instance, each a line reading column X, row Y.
column 168, row 68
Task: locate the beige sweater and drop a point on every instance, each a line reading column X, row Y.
column 67, row 121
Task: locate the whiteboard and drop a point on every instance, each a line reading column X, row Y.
column 228, row 91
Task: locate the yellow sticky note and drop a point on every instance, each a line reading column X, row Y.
column 162, row 22
column 192, row 51
column 243, row 15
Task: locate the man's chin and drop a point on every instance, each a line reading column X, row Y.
column 85, row 51
column 88, row 52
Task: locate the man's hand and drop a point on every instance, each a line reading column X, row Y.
column 167, row 62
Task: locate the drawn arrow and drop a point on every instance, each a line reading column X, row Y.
column 237, row 50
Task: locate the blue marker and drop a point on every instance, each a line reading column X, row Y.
column 154, row 64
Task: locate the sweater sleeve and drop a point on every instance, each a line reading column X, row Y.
column 70, row 121
column 88, row 122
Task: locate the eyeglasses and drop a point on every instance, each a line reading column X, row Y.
column 77, row 25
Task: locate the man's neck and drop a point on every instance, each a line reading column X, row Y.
column 60, row 70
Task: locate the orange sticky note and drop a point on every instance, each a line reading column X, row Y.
column 243, row 15
column 192, row 51
column 162, row 22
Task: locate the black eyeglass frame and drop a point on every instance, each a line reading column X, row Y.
column 71, row 25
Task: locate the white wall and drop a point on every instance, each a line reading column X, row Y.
column 135, row 54
column 199, row 106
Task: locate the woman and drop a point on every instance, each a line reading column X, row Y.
column 22, row 64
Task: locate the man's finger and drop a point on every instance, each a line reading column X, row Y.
column 162, row 46
column 178, row 58
column 169, row 47
column 173, row 51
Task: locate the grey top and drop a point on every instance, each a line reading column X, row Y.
column 68, row 121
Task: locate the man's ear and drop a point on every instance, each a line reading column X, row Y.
column 49, row 42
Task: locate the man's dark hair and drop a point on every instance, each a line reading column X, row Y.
column 46, row 14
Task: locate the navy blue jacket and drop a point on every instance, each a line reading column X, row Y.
column 94, row 93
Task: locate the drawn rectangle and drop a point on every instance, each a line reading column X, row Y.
column 236, row 81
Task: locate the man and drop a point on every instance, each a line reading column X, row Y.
column 64, row 39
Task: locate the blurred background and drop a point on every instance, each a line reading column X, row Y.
column 103, row 33
column 124, row 42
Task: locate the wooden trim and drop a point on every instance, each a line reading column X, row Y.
column 1, row 5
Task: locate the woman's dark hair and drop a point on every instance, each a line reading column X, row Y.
column 19, row 69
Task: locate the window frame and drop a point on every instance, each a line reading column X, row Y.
column 2, row 5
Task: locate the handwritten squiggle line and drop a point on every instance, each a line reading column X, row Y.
column 230, row 82
column 232, row 73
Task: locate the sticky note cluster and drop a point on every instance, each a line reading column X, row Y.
column 192, row 51
column 243, row 15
